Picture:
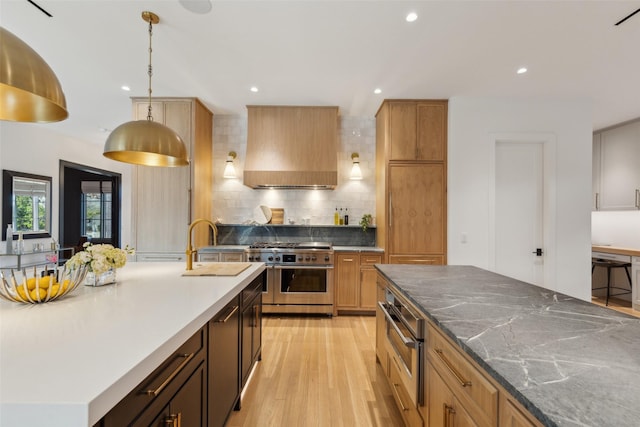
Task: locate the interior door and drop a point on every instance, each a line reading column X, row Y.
column 519, row 210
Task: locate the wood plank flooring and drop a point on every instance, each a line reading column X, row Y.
column 616, row 304
column 318, row 371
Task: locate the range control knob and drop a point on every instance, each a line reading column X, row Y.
column 277, row 258
column 306, row 258
column 300, row 258
column 250, row 258
column 326, row 257
column 313, row 258
column 270, row 258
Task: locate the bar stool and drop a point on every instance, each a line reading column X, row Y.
column 609, row 264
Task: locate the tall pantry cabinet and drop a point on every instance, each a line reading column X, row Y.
column 166, row 200
column 411, row 181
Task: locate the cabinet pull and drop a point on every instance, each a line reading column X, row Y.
column 235, row 308
column 421, row 261
column 161, row 387
column 447, row 411
column 637, row 202
column 454, row 371
column 395, row 391
column 348, row 259
column 597, row 201
column 256, row 316
column 174, row 420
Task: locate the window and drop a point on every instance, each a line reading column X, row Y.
column 97, row 199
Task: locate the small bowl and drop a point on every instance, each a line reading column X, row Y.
column 39, row 284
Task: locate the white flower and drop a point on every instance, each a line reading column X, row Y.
column 100, row 258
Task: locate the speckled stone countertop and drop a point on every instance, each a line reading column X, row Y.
column 569, row 362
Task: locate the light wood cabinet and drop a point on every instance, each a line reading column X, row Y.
column 417, row 130
column 166, row 200
column 411, row 174
column 618, row 159
column 356, row 282
column 445, row 409
column 512, row 414
column 381, row 334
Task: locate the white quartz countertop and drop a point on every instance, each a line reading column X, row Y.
column 66, row 363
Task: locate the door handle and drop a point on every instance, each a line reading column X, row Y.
column 538, row 252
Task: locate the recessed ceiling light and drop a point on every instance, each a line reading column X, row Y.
column 412, row 16
column 125, row 87
column 253, row 89
column 377, row 91
column 522, row 70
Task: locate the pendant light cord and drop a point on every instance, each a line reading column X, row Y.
column 150, row 71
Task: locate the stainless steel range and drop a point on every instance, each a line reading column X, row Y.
column 299, row 276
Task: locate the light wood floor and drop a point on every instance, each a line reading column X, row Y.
column 616, row 304
column 318, row 371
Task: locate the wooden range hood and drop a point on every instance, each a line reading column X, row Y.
column 291, row 147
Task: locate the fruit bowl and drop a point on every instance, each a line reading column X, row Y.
column 39, row 284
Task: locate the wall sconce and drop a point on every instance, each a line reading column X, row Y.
column 356, row 172
column 229, row 169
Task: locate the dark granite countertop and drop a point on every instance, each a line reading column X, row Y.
column 569, row 362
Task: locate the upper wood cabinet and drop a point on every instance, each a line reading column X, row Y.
column 616, row 161
column 417, row 130
column 166, row 200
column 411, row 181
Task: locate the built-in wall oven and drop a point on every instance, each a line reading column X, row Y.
column 405, row 331
column 299, row 276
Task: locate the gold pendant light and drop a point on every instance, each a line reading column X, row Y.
column 29, row 89
column 145, row 142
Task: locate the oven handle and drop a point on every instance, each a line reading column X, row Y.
column 303, row 267
column 406, row 341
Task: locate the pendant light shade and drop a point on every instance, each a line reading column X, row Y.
column 145, row 142
column 29, row 89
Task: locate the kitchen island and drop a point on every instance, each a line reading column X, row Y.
column 66, row 363
column 567, row 361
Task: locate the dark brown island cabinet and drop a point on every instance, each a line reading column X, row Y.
column 201, row 382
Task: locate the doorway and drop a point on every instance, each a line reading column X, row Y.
column 89, row 205
column 522, row 239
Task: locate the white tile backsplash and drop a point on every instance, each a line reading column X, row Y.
column 233, row 202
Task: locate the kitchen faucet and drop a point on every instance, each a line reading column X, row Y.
column 190, row 251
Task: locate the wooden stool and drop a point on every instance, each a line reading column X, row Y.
column 609, row 264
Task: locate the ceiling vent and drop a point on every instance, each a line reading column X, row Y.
column 291, row 147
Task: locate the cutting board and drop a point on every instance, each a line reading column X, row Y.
column 277, row 216
column 218, row 269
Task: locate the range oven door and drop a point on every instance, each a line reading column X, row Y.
column 405, row 351
column 303, row 285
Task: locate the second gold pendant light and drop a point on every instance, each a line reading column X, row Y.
column 145, row 142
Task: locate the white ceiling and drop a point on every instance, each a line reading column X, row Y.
column 332, row 53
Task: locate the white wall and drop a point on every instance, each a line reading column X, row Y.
column 620, row 228
column 471, row 122
column 233, row 202
column 36, row 149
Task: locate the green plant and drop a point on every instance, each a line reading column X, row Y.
column 366, row 221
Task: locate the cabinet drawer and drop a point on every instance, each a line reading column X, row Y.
column 417, row 259
column 408, row 410
column 370, row 259
column 232, row 257
column 477, row 394
column 512, row 414
column 160, row 386
column 208, row 257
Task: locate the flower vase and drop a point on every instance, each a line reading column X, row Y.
column 106, row 278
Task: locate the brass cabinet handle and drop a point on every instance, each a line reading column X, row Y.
column 256, row 312
column 395, row 391
column 447, row 411
column 235, row 308
column 175, row 420
column 597, row 201
column 463, row 382
column 157, row 391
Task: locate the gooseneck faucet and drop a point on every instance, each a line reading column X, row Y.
column 190, row 251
